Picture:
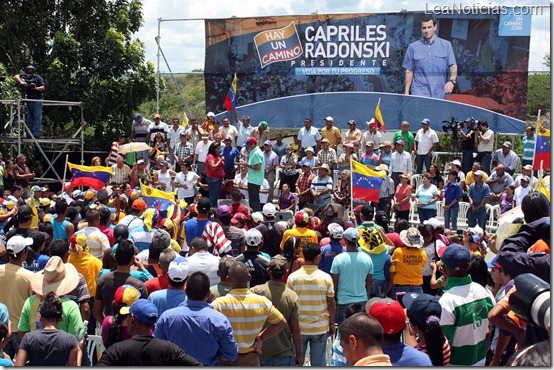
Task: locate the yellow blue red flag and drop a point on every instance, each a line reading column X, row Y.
column 95, row 177
column 365, row 182
column 157, row 199
column 231, row 95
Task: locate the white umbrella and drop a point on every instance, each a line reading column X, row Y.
column 133, row 147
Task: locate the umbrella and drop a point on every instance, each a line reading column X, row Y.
column 133, row 147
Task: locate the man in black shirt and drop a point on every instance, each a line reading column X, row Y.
column 272, row 232
column 255, row 262
column 143, row 349
column 468, row 144
column 33, row 87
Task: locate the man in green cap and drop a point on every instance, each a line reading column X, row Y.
column 261, row 133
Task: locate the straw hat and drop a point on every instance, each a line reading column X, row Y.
column 56, row 277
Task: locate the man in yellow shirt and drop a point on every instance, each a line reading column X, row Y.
column 331, row 133
column 301, row 231
column 248, row 312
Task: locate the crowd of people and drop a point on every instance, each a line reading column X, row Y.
column 250, row 268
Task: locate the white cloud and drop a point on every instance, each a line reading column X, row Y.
column 183, row 42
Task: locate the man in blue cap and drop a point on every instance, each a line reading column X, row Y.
column 33, row 86
column 143, row 349
column 352, row 274
column 465, row 307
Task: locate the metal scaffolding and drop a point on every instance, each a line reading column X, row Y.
column 16, row 133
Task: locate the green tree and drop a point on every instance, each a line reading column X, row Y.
column 85, row 52
column 538, row 91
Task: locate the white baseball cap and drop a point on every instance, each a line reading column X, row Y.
column 253, row 237
column 329, row 118
column 257, row 217
column 210, row 114
column 269, row 210
column 17, row 243
column 178, row 269
column 335, row 230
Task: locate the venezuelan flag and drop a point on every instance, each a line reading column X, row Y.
column 542, row 148
column 379, row 121
column 95, row 177
column 157, row 199
column 231, row 95
column 365, row 182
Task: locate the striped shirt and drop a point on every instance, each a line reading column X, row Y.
column 141, row 237
column 528, row 147
column 464, row 319
column 313, row 287
column 445, row 351
column 247, row 312
column 319, row 184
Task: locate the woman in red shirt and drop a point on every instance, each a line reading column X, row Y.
column 402, row 197
column 215, row 171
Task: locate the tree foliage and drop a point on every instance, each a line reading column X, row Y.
column 85, row 51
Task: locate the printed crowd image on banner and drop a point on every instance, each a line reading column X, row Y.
column 276, row 57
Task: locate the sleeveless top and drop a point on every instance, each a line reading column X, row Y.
column 59, row 229
column 165, row 178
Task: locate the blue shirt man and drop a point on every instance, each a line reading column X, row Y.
column 231, row 154
column 427, row 61
column 196, row 327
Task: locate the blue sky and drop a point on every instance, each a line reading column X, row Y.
column 183, row 42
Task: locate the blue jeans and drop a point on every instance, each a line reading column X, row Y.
column 485, row 159
column 405, row 288
column 451, row 215
column 318, row 344
column 278, row 361
column 379, row 288
column 35, row 117
column 214, row 186
column 420, row 160
column 467, row 160
column 479, row 217
column 426, row 213
column 341, row 311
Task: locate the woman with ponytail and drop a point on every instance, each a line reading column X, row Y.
column 114, row 328
column 49, row 346
column 291, row 250
column 424, row 313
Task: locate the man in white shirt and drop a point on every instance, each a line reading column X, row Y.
column 230, row 131
column 173, row 136
column 484, row 138
column 506, row 157
column 522, row 190
column 371, row 135
column 155, row 127
column 244, row 129
column 526, row 170
column 401, row 162
column 200, row 259
column 308, row 136
column 271, row 163
column 426, row 140
column 201, row 152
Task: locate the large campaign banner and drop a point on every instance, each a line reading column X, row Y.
column 304, row 56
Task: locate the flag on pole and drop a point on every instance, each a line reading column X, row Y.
column 157, row 199
column 541, row 187
column 379, row 121
column 185, row 121
column 542, row 148
column 365, row 182
column 231, row 95
column 95, row 177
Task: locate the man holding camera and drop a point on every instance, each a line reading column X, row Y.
column 33, row 87
column 468, row 144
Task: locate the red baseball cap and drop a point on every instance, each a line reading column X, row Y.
column 390, row 315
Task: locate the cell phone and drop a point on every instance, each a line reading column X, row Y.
column 399, row 296
column 460, row 232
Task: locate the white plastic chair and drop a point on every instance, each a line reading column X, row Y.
column 462, row 215
column 415, row 181
column 440, row 211
column 226, row 202
column 95, row 345
column 492, row 221
column 413, row 216
column 284, row 215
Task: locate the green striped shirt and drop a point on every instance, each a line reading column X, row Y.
column 464, row 319
column 528, row 147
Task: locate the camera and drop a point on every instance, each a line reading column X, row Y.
column 452, row 127
column 531, row 301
